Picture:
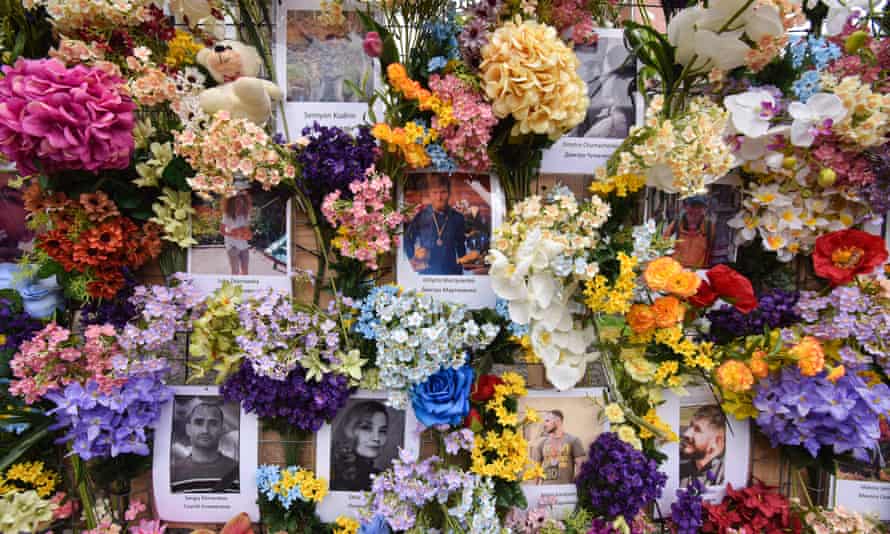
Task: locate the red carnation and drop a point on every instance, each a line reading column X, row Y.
column 732, row 287
column 840, row 256
column 484, row 388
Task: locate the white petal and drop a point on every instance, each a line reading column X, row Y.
column 827, row 106
column 763, row 21
column 542, row 288
column 726, row 50
column 564, row 376
column 520, row 311
column 802, row 133
column 681, row 33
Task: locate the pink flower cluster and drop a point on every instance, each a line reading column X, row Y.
column 851, row 167
column 64, row 118
column 227, row 148
column 366, row 226
column 467, row 139
column 573, row 20
column 52, row 359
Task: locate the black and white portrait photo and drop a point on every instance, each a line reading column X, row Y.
column 205, row 458
column 362, row 441
column 366, row 437
column 609, row 72
column 713, row 448
column 204, row 451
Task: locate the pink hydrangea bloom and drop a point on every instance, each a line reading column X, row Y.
column 54, row 118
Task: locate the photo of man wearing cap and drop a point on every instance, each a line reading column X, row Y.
column 694, row 234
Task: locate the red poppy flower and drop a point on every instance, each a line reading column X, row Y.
column 484, row 388
column 840, row 256
column 732, row 287
column 704, row 297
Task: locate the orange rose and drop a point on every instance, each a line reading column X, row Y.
column 640, row 318
column 735, row 376
column 668, row 311
column 758, row 365
column 659, row 271
column 684, row 284
column 809, row 355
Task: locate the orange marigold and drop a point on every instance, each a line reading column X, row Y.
column 735, row 376
column 640, row 318
column 809, row 355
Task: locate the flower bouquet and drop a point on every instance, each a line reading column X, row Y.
column 288, row 497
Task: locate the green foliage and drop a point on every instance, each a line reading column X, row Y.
column 23, row 33
column 502, row 350
column 212, row 342
column 577, row 523
column 299, row 519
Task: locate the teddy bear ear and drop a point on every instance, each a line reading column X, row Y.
column 250, row 59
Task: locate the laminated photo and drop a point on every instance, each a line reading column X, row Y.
column 713, row 447
column 205, row 458
column 362, row 440
column 321, row 63
column 569, row 422
column 445, row 242
column 609, row 71
column 244, row 238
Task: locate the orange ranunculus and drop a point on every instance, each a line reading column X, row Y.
column 684, row 284
column 640, row 318
column 809, row 355
column 735, row 376
column 659, row 271
column 668, row 311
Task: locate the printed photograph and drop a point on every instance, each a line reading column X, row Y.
column 204, row 445
column 15, row 237
column 366, row 438
column 698, row 224
column 562, row 437
column 245, row 234
column 451, row 231
column 609, row 72
column 702, row 445
column 877, row 468
column 323, row 52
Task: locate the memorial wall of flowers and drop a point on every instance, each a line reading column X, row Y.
column 201, row 244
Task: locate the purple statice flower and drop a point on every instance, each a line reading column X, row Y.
column 813, row 412
column 117, row 311
column 102, row 423
column 686, row 511
column 332, row 160
column 296, row 400
column 775, row 309
column 617, row 480
column 16, row 325
column 161, row 313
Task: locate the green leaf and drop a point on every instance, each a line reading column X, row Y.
column 176, row 172
column 23, row 445
column 49, row 269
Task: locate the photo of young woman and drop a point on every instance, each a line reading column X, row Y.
column 235, row 229
column 366, row 438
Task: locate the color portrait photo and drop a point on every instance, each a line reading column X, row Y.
column 451, row 231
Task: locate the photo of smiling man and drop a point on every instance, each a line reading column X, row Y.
column 702, row 445
column 203, row 457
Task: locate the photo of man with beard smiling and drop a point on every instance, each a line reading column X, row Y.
column 702, row 445
column 198, row 462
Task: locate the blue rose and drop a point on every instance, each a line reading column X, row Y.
column 378, row 525
column 444, row 398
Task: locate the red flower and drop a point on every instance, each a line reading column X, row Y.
column 840, row 256
column 704, row 297
column 756, row 508
column 473, row 421
column 732, row 287
column 484, row 388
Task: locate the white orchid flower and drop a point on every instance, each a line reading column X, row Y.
column 838, row 13
column 751, row 112
column 807, row 117
column 563, row 353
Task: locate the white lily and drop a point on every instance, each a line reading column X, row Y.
column 751, row 111
column 819, row 108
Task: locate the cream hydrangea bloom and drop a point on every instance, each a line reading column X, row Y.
column 530, row 74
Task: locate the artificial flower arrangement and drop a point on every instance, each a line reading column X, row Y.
column 288, row 496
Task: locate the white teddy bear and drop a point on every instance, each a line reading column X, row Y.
column 235, row 66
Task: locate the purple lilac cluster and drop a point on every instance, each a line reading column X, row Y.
column 332, row 160
column 102, row 424
column 775, row 309
column 303, row 403
column 813, row 412
column 117, row 311
column 686, row 511
column 848, row 313
column 617, row 480
column 16, row 325
column 276, row 337
column 161, row 312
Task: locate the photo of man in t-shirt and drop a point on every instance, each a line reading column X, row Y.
column 559, row 453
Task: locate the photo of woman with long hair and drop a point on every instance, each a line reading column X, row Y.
column 235, row 229
column 365, row 440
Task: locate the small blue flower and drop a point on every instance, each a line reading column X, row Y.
column 808, row 85
column 798, row 49
column 436, row 63
column 441, row 161
column 378, row 525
